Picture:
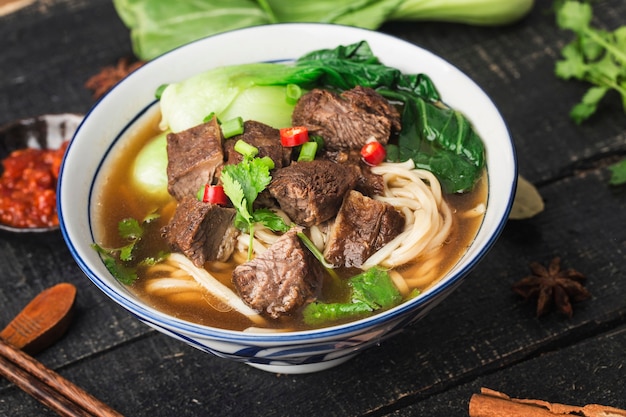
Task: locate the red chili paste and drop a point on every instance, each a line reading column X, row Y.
column 28, row 187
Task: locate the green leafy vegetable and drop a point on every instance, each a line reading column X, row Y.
column 594, row 56
column 242, row 184
column 371, row 290
column 149, row 171
column 436, row 137
column 618, row 171
column 251, row 91
column 441, row 140
column 121, row 261
column 475, row 12
column 157, row 26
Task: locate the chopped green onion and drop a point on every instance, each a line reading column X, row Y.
column 268, row 162
column 318, row 255
column 159, row 91
column 232, row 127
column 246, row 149
column 293, row 93
column 209, row 116
column 307, row 151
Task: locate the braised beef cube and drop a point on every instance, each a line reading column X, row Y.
column 201, row 231
column 363, row 226
column 311, row 192
column 194, row 155
column 349, row 119
column 263, row 137
column 368, row 183
column 280, row 280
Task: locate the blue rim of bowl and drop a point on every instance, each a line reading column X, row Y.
column 163, row 320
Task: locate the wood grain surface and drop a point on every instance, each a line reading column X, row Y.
column 481, row 335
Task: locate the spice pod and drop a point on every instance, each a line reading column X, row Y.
column 47, row 132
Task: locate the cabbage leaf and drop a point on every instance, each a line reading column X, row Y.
column 158, row 26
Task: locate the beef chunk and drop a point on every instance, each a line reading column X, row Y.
column 194, row 155
column 362, row 227
column 263, row 137
column 201, row 231
column 368, row 183
column 280, row 280
column 348, row 119
column 311, row 192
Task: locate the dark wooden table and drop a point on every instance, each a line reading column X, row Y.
column 483, row 335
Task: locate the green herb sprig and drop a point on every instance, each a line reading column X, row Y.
column 370, row 291
column 121, row 261
column 595, row 56
column 242, row 184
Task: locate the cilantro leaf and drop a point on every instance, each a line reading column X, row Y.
column 121, row 272
column 574, row 16
column 371, row 290
column 234, row 191
column 120, row 261
column 270, row 220
column 588, row 104
column 618, row 173
column 242, row 184
column 126, row 252
column 595, row 56
column 375, row 288
column 130, row 229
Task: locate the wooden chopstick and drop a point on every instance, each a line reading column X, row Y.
column 48, row 387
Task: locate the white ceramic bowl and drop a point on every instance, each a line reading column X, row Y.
column 122, row 109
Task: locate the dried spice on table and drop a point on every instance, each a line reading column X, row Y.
column 553, row 286
column 491, row 403
column 108, row 76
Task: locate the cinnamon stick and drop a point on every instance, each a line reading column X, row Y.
column 490, row 403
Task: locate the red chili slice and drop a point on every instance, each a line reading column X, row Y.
column 294, row 136
column 214, row 194
column 373, row 152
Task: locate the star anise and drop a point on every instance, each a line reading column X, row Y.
column 111, row 75
column 553, row 286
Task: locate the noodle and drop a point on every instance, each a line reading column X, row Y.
column 416, row 193
column 215, row 288
column 161, row 286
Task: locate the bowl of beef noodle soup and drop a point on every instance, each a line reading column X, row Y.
column 291, row 205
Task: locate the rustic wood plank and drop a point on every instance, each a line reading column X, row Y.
column 575, row 375
column 483, row 328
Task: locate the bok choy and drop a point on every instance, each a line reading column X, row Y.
column 158, row 26
column 434, row 136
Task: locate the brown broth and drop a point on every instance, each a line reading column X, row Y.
column 118, row 200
